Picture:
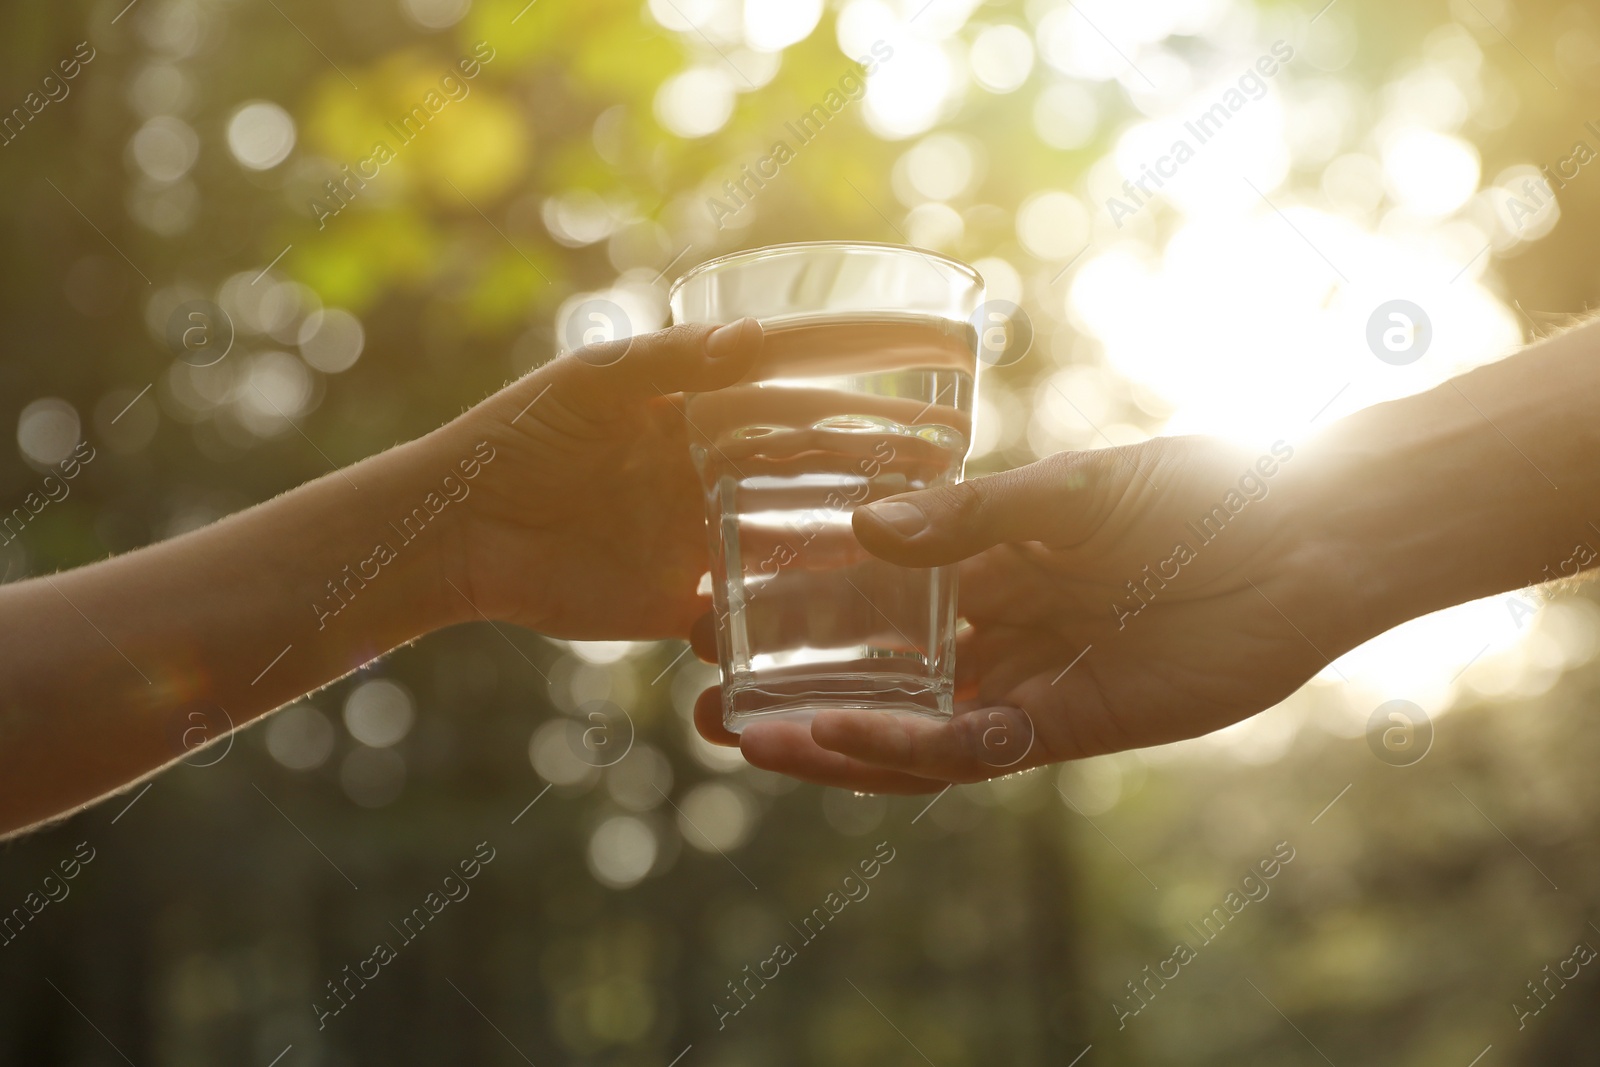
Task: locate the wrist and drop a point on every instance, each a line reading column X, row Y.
column 433, row 520
column 1425, row 502
column 1361, row 570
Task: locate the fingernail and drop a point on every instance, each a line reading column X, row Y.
column 726, row 340
column 903, row 518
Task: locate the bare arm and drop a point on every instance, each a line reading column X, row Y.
column 106, row 664
column 565, row 502
column 1487, row 483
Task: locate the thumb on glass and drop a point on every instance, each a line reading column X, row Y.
column 1050, row 500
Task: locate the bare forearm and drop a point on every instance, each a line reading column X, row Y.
column 1487, row 483
column 117, row 669
column 584, row 520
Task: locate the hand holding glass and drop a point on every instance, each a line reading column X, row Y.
column 864, row 389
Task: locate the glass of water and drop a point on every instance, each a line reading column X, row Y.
column 864, row 389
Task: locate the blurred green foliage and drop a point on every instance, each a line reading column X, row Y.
column 1417, row 907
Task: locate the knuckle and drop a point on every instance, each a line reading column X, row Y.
column 1077, row 491
column 964, row 501
column 671, row 340
column 684, row 335
column 595, row 355
column 1074, row 471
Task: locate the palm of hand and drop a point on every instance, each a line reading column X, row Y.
column 617, row 503
column 1170, row 619
column 1181, row 667
column 591, row 525
column 1092, row 629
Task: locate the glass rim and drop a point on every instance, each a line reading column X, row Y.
column 765, row 251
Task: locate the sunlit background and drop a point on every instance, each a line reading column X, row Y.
column 222, row 155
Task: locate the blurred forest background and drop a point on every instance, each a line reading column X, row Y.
column 1440, row 862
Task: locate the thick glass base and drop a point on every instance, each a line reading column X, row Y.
column 797, row 697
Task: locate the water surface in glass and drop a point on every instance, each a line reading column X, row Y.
column 842, row 410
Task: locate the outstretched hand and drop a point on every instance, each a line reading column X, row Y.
column 1117, row 598
column 567, row 502
column 589, row 523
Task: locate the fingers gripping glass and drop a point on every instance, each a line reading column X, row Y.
column 864, row 389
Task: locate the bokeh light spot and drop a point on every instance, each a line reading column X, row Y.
column 1001, row 58
column 48, row 430
column 696, row 103
column 261, row 135
column 165, row 148
column 300, row 737
column 622, row 850
column 331, row 340
column 436, row 14
column 379, row 713
column 770, row 26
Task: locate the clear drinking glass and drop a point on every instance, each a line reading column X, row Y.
column 864, row 389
